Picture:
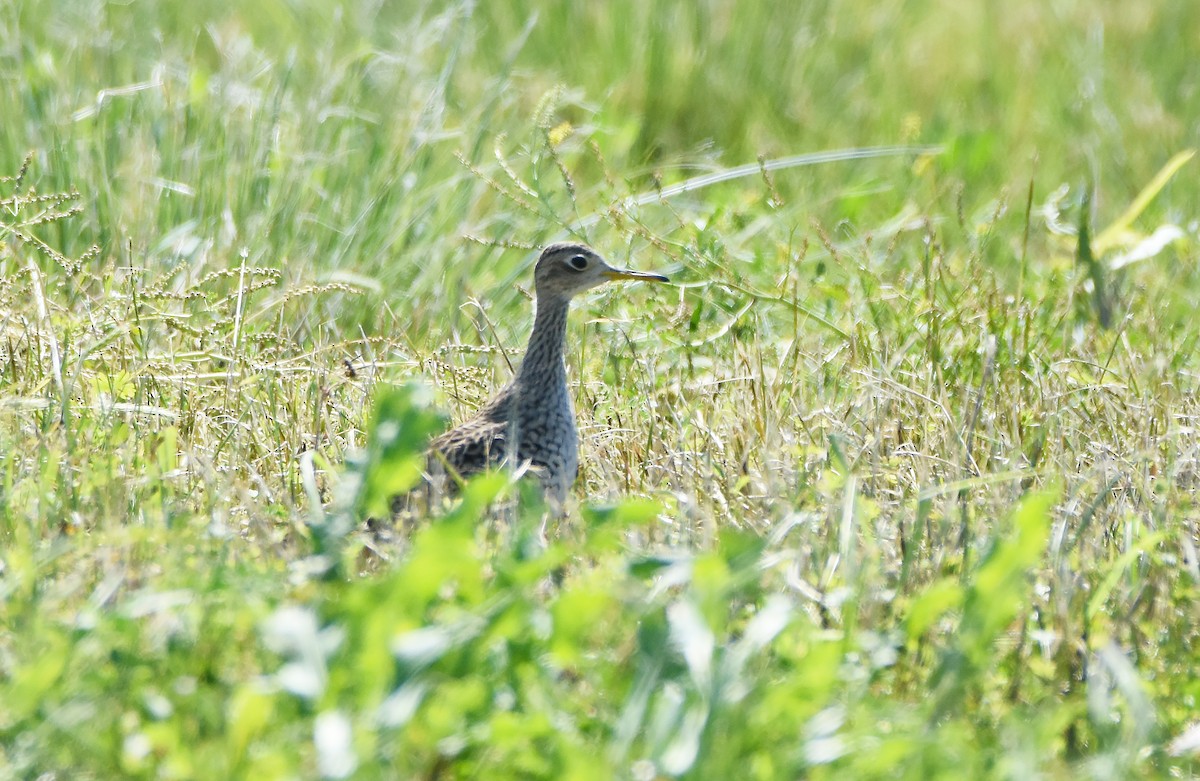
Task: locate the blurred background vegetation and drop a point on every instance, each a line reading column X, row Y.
column 877, row 491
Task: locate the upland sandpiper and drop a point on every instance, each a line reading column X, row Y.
column 531, row 420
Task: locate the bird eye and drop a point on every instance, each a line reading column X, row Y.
column 578, row 262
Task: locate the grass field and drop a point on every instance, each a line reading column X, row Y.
column 897, row 480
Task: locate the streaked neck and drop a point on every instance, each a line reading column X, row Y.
column 543, row 363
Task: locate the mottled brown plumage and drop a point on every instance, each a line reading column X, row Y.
column 531, row 420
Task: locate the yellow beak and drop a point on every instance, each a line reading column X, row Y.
column 625, row 273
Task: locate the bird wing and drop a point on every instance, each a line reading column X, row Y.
column 477, row 444
column 471, row 447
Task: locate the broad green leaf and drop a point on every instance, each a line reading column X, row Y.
column 931, row 604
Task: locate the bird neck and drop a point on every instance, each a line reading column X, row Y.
column 543, row 360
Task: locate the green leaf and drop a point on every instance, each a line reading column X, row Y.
column 401, row 427
column 578, row 613
column 32, row 680
column 608, row 523
column 999, row 588
column 249, row 712
column 933, row 603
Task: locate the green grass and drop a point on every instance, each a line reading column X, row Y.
column 871, row 493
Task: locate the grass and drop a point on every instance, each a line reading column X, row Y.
column 898, row 480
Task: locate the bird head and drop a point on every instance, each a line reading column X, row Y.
column 567, row 269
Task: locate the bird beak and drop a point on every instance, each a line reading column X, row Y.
column 625, row 273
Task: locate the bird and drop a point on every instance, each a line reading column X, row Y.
column 530, row 422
